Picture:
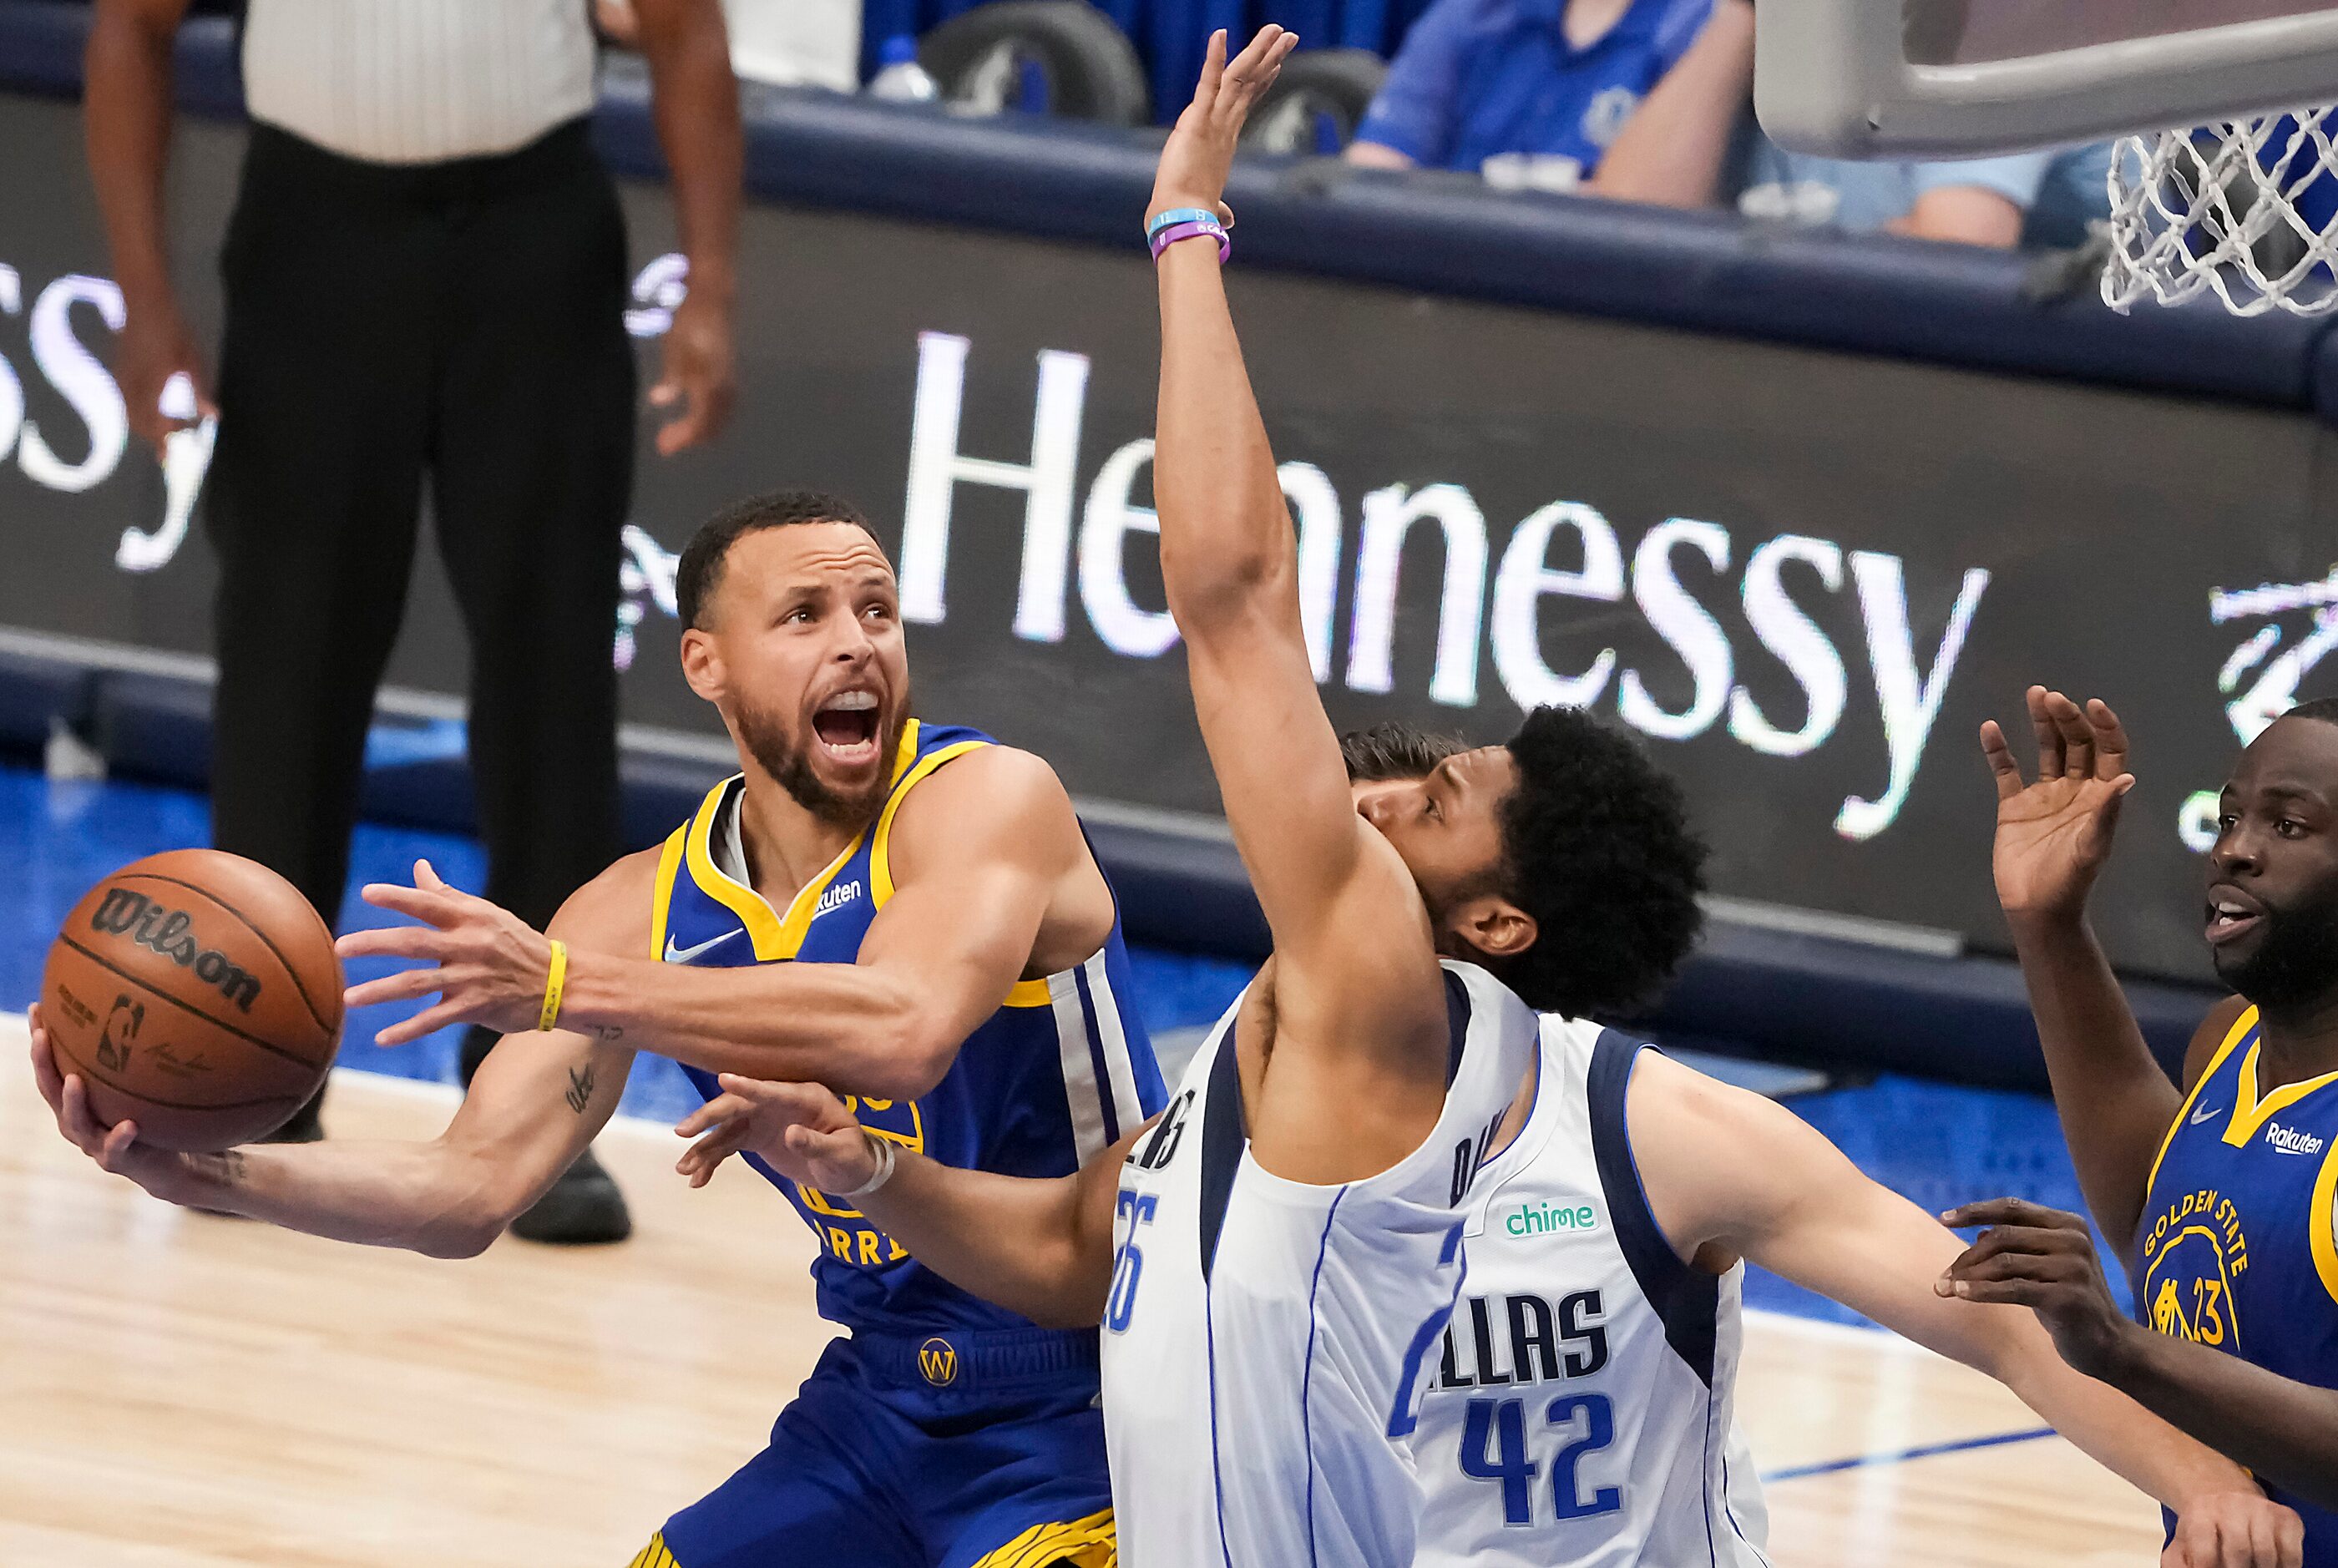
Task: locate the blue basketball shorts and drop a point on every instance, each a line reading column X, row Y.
column 950, row 1451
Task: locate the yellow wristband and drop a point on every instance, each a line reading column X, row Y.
column 554, row 983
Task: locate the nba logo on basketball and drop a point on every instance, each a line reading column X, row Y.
column 112, row 1053
column 938, row 1362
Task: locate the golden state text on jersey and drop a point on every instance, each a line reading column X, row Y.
column 1055, row 1075
column 2238, row 1245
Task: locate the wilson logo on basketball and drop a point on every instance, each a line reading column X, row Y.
column 123, row 913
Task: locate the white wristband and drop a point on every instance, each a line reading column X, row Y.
column 881, row 1149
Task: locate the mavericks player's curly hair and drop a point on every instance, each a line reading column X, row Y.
column 1596, row 846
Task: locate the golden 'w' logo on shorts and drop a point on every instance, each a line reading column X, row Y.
column 938, row 1362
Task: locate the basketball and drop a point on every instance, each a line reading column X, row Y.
column 197, row 993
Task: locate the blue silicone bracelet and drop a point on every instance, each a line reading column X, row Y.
column 1161, row 220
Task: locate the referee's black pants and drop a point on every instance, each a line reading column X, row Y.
column 461, row 321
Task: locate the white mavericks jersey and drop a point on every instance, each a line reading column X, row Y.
column 1265, row 1341
column 1580, row 1413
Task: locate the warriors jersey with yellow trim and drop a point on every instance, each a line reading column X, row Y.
column 2238, row 1246
column 1058, row 1073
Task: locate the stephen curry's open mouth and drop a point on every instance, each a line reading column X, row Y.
column 847, row 726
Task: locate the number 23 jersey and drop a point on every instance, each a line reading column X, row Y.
column 2238, row 1248
column 1265, row 1340
column 1579, row 1411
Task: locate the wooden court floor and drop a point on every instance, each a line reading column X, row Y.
column 181, row 1390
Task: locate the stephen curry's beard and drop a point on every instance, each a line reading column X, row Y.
column 789, row 764
column 1395, row 750
column 2295, row 962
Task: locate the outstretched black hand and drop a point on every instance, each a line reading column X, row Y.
column 2043, row 1259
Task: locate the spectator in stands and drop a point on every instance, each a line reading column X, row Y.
column 425, row 277
column 1642, row 99
column 1634, row 99
column 2037, row 199
column 2042, row 199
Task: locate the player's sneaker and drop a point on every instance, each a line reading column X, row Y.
column 583, row 1209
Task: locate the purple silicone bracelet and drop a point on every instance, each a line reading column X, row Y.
column 1176, row 232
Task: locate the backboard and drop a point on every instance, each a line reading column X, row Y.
column 1962, row 78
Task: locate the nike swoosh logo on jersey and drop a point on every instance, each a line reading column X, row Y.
column 2203, row 1115
column 674, row 954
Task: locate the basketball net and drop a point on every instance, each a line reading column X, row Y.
column 2245, row 208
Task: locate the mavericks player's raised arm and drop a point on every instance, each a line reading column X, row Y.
column 535, row 1103
column 1039, row 1246
column 989, row 867
column 1729, row 1174
column 1354, row 960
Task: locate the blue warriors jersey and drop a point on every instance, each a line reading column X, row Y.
column 1057, row 1074
column 2237, row 1249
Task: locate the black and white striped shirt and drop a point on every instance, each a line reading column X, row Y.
column 418, row 81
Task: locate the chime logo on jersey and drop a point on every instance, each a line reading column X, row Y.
column 1550, row 1219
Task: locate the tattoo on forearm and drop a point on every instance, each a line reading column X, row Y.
column 580, row 1088
column 225, row 1167
column 607, row 1034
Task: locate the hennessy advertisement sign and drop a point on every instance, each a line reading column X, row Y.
column 1803, row 577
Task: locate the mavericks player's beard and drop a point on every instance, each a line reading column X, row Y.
column 786, row 758
column 2295, row 963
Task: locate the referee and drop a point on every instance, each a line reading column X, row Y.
column 425, row 278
